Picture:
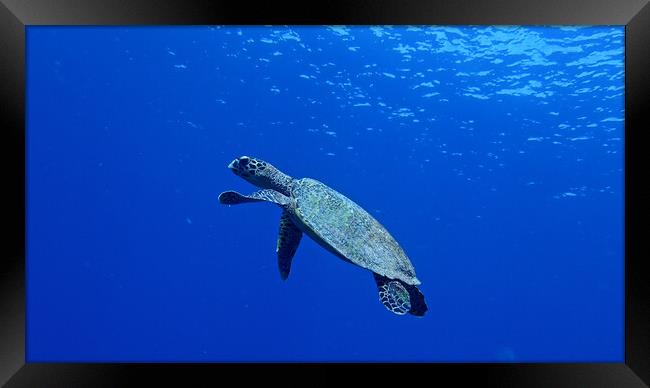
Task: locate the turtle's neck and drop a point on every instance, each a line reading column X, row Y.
column 279, row 181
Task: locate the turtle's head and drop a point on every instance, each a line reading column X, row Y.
column 248, row 168
column 261, row 174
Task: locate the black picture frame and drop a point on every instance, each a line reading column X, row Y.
column 16, row 15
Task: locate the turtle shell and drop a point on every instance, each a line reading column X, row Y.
column 347, row 230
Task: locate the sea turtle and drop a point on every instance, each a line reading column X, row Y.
column 336, row 223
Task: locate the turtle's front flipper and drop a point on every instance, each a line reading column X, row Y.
column 234, row 198
column 399, row 297
column 288, row 240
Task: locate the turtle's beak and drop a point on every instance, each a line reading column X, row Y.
column 233, row 165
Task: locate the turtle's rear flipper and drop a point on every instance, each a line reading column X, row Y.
column 268, row 195
column 399, row 297
column 288, row 240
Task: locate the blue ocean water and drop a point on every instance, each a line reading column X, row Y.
column 494, row 155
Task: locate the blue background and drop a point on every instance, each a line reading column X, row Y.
column 493, row 155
